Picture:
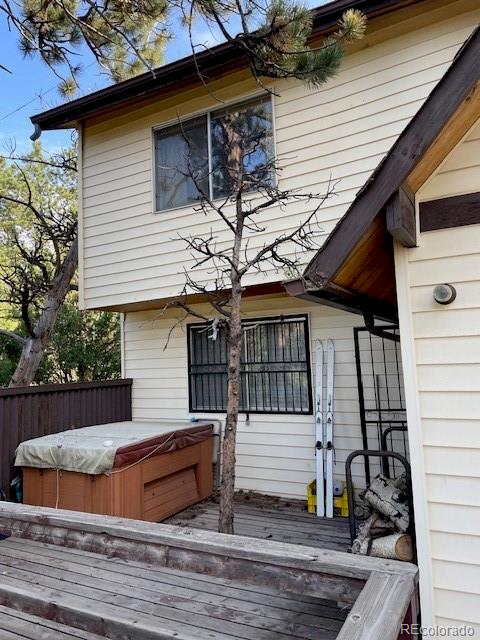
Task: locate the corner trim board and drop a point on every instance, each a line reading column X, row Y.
column 415, row 435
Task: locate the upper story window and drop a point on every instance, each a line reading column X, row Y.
column 275, row 367
column 199, row 147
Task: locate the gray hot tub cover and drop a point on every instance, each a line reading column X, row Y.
column 100, row 448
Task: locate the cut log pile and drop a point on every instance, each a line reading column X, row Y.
column 384, row 532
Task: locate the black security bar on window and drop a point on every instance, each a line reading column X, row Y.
column 275, row 367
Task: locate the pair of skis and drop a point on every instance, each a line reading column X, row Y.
column 324, row 430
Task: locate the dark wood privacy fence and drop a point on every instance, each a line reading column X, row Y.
column 31, row 412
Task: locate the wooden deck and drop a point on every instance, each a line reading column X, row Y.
column 18, row 625
column 94, row 594
column 66, row 575
column 271, row 520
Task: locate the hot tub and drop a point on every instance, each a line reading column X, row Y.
column 145, row 471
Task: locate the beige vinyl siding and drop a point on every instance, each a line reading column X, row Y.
column 275, row 452
column 447, row 354
column 342, row 130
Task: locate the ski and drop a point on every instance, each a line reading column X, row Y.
column 319, row 459
column 329, row 448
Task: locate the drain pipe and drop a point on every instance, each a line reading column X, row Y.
column 381, row 332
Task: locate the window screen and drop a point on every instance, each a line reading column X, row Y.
column 200, row 147
column 252, row 123
column 275, row 367
column 180, row 152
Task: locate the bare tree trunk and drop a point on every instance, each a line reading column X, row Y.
column 227, row 489
column 34, row 347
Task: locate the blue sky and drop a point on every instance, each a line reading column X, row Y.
column 32, row 87
column 30, row 82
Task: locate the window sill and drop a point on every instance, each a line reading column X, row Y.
column 189, row 207
column 243, row 414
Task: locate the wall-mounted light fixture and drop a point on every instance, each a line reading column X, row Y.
column 444, row 293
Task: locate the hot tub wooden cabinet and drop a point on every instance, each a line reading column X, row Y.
column 150, row 489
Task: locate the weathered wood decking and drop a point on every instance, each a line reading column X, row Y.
column 105, row 577
column 18, row 625
column 154, row 597
column 275, row 520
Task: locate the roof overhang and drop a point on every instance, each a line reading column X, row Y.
column 339, row 298
column 355, row 267
column 211, row 63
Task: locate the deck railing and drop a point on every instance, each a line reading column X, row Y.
column 379, row 595
column 31, row 412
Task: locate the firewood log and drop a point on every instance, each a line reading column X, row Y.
column 386, row 497
column 397, row 546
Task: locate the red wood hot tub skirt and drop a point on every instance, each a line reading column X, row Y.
column 151, row 480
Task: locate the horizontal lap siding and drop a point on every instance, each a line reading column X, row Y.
column 275, row 452
column 447, row 344
column 340, row 131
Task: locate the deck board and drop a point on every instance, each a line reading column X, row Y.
column 151, row 599
column 204, row 588
column 18, row 625
column 283, row 523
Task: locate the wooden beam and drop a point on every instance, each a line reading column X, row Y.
column 360, row 303
column 400, row 218
column 446, row 213
column 262, row 289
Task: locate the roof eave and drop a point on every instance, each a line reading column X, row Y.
column 211, row 62
column 176, row 74
column 337, row 298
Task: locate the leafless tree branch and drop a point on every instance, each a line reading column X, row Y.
column 14, row 336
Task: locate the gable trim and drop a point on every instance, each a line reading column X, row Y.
column 459, row 85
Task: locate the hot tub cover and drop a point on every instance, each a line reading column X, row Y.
column 100, row 448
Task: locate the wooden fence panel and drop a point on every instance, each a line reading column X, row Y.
column 31, row 412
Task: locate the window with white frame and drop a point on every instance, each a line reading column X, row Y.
column 192, row 156
column 275, row 367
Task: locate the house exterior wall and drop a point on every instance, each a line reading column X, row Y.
column 275, row 453
column 129, row 254
column 443, row 405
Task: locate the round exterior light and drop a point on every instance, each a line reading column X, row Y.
column 444, row 293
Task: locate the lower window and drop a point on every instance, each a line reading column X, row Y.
column 275, row 367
